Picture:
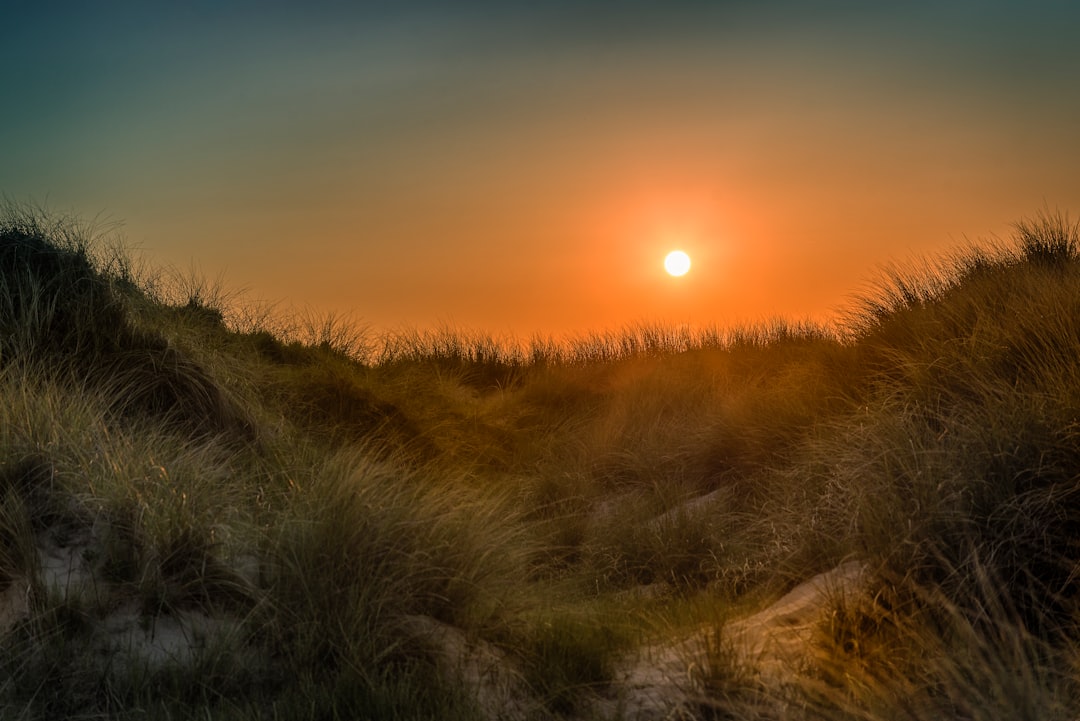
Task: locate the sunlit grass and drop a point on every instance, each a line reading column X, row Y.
column 323, row 497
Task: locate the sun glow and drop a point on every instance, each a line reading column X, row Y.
column 677, row 263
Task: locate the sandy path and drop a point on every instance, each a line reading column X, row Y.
column 661, row 681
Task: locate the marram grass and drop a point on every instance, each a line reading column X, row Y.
column 209, row 510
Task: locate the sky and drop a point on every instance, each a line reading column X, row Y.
column 522, row 168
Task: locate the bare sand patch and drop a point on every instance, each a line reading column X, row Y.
column 668, row 679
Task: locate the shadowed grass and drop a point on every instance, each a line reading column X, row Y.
column 169, row 459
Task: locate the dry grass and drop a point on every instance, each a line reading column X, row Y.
column 320, row 489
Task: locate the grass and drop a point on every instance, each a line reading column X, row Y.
column 317, row 496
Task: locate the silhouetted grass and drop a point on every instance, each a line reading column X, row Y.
column 315, row 495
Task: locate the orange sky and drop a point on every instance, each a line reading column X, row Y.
column 521, row 169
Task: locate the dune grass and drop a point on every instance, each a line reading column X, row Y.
column 299, row 499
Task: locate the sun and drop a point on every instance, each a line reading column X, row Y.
column 677, row 263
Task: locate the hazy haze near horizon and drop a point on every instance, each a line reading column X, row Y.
column 521, row 167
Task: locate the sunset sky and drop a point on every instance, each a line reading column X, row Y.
column 523, row 167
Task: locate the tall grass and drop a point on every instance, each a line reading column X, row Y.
column 321, row 495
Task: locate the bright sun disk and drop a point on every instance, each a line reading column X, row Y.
column 677, row 263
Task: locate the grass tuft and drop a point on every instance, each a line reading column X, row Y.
column 211, row 510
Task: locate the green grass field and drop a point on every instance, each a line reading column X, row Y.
column 212, row 510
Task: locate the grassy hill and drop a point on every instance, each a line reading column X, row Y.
column 212, row 511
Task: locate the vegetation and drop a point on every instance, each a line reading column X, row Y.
column 209, row 510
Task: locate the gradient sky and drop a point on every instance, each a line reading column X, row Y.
column 523, row 167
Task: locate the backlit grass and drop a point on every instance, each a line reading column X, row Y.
column 322, row 498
